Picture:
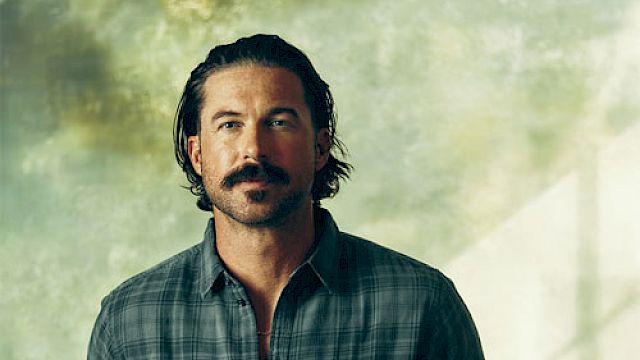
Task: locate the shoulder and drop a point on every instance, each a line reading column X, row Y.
column 175, row 274
column 372, row 262
column 447, row 330
column 130, row 309
column 369, row 253
column 134, row 309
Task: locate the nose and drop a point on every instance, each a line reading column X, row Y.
column 254, row 144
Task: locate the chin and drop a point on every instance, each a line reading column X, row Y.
column 260, row 211
column 258, row 215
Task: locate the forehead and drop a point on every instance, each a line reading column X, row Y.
column 251, row 82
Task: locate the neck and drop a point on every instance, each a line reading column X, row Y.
column 262, row 258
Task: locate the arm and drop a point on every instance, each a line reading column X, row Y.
column 451, row 333
column 100, row 343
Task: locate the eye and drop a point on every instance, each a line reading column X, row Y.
column 278, row 123
column 229, row 125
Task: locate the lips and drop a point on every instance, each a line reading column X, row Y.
column 256, row 179
column 259, row 180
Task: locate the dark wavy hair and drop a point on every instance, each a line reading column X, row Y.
column 266, row 50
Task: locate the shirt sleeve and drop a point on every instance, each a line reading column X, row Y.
column 100, row 343
column 452, row 333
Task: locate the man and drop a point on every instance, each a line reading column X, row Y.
column 274, row 278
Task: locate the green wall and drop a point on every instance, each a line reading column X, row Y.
column 455, row 114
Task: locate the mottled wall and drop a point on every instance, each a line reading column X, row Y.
column 456, row 114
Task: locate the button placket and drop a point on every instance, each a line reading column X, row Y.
column 246, row 320
column 282, row 325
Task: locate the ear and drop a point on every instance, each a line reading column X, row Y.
column 195, row 155
column 323, row 146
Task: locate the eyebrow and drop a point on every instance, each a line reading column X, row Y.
column 284, row 110
column 272, row 112
column 224, row 113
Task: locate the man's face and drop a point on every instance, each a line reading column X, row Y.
column 257, row 151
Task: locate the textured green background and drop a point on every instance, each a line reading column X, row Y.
column 455, row 114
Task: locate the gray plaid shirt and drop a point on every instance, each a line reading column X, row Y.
column 350, row 299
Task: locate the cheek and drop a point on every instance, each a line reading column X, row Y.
column 306, row 159
column 215, row 159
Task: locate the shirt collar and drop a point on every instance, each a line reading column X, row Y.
column 323, row 260
column 211, row 267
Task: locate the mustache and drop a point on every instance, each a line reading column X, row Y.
column 263, row 171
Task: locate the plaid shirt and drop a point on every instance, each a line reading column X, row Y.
column 350, row 299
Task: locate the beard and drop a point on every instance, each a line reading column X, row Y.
column 268, row 207
column 256, row 210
